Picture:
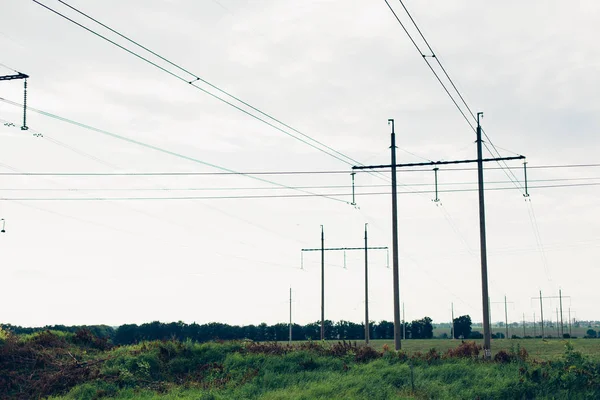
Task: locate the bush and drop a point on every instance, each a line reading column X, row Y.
column 465, row 350
column 476, row 335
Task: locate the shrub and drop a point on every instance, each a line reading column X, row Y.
column 464, row 350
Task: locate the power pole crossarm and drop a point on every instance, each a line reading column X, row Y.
column 11, row 77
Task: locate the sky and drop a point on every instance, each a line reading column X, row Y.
column 335, row 71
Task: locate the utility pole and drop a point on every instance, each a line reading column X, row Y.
column 366, row 288
column 323, row 249
column 541, row 314
column 560, row 297
column 403, row 323
column 396, row 274
column 506, row 317
column 570, row 334
column 290, row 315
column 505, row 314
column 480, row 160
column 322, row 284
column 452, row 329
column 534, row 331
column 562, row 329
column 487, row 338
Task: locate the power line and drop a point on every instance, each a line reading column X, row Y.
column 188, row 227
column 275, row 195
column 336, row 154
column 162, row 150
column 429, row 65
column 270, row 188
column 508, row 172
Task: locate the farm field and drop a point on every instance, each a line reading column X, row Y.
column 543, row 350
column 81, row 366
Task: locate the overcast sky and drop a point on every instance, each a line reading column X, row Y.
column 335, row 70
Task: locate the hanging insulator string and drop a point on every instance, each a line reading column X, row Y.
column 526, row 194
column 24, row 127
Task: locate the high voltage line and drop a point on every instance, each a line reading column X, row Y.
column 277, row 195
column 329, row 150
column 270, row 188
column 434, row 56
column 162, row 150
column 324, row 172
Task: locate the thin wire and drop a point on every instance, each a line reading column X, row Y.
column 429, row 65
column 185, row 80
column 353, row 161
column 7, row 67
column 185, row 226
column 455, row 229
column 165, row 151
column 277, row 195
column 433, row 55
column 538, row 238
column 276, row 188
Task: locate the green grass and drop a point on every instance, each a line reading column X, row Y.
column 245, row 370
column 543, row 350
column 538, row 349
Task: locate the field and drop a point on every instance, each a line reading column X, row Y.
column 81, row 366
column 542, row 350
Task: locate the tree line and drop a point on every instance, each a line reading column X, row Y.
column 341, row 330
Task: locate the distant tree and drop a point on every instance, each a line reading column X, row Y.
column 383, row 330
column 421, row 329
column 591, row 333
column 476, row 335
column 462, row 326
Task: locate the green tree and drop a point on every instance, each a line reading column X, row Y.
column 421, row 329
column 591, row 333
column 462, row 326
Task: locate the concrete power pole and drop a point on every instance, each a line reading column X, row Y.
column 452, row 334
column 562, row 329
column 541, row 314
column 366, row 288
column 322, row 284
column 396, row 277
column 506, row 317
column 290, row 315
column 487, row 337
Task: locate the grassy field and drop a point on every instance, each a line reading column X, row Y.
column 80, row 366
column 550, row 349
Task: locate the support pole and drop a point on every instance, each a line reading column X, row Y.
column 322, row 284
column 562, row 327
column 570, row 335
column 290, row 316
column 506, row 317
column 452, row 334
column 557, row 327
column 403, row 322
column 396, row 277
column 487, row 339
column 366, row 288
column 541, row 314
